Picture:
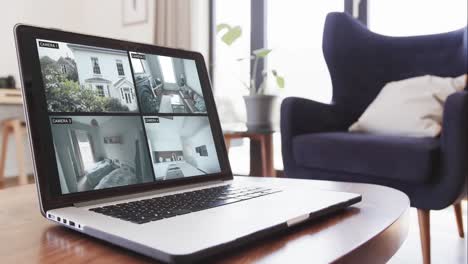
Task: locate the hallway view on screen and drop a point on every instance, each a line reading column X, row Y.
column 167, row 85
column 181, row 146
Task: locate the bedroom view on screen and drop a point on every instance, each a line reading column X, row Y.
column 98, row 152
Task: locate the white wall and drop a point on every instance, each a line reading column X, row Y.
column 47, row 13
column 103, row 18
column 200, row 28
column 165, row 142
column 210, row 163
column 191, row 74
column 127, row 129
column 165, row 135
column 108, row 22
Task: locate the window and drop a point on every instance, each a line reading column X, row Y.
column 137, row 65
column 397, row 17
column 120, row 68
column 167, row 69
column 294, row 33
column 95, row 64
column 85, row 147
column 64, row 69
column 230, row 75
column 100, row 90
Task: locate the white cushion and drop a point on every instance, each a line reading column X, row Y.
column 410, row 107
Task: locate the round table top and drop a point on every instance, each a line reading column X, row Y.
column 368, row 232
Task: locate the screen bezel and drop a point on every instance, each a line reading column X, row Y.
column 37, row 117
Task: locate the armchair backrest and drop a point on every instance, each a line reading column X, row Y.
column 361, row 62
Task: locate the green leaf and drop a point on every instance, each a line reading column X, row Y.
column 241, row 59
column 231, row 36
column 222, row 26
column 245, row 84
column 261, row 53
column 280, row 81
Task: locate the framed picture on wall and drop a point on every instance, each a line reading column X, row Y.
column 113, row 140
column 201, row 150
column 134, row 12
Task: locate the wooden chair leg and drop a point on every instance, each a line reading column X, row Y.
column 227, row 141
column 458, row 215
column 270, row 156
column 425, row 234
column 19, row 137
column 5, row 135
column 263, row 154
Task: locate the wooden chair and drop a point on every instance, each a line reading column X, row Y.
column 18, row 129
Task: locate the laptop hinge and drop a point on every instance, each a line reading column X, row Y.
column 149, row 193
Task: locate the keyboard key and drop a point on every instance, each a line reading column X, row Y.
column 181, row 211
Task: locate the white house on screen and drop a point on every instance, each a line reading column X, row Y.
column 105, row 71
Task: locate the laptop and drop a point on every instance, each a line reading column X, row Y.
column 128, row 148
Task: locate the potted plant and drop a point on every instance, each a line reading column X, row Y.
column 259, row 105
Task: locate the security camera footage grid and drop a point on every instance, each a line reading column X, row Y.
column 165, row 133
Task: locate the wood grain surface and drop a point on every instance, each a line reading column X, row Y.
column 368, row 232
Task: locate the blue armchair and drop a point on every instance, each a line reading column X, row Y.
column 316, row 145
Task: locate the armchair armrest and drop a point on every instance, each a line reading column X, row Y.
column 454, row 151
column 302, row 116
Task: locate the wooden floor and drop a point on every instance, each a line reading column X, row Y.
column 12, row 181
column 447, row 246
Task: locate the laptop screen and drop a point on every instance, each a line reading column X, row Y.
column 120, row 118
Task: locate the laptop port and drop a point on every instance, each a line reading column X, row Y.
column 71, row 223
column 64, row 221
column 59, row 219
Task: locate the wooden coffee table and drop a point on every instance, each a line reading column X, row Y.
column 368, row 232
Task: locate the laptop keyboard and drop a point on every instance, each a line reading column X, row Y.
column 153, row 209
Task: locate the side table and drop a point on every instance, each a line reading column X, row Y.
column 261, row 149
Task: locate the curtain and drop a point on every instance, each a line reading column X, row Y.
column 173, row 23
